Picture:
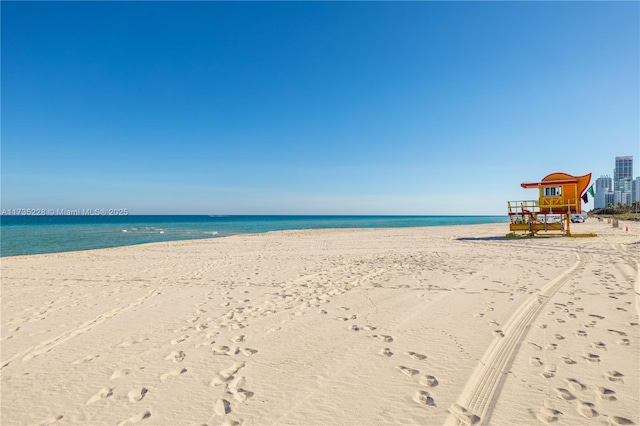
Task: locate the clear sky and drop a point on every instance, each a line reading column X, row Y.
column 312, row 108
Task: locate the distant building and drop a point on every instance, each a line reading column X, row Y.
column 604, row 183
column 621, row 189
column 604, row 192
column 602, row 199
column 622, row 197
column 622, row 171
column 623, row 180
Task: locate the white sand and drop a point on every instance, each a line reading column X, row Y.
column 436, row 325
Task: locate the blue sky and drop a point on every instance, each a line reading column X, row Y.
column 312, row 108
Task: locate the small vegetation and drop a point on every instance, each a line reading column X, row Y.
column 620, row 212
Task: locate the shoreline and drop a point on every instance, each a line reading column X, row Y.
column 327, row 326
column 62, row 234
column 249, row 234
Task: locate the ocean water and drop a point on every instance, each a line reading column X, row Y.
column 22, row 235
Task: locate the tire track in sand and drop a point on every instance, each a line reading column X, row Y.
column 48, row 345
column 473, row 405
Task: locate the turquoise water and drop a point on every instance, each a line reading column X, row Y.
column 20, row 235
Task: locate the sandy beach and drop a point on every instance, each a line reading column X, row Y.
column 425, row 326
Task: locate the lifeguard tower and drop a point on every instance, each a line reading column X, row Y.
column 559, row 198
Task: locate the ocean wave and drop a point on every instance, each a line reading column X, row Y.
column 144, row 230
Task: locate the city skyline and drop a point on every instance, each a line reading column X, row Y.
column 622, row 188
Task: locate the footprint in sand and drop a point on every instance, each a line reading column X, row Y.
column 567, row 360
column 498, row 333
column 600, row 317
column 135, row 395
column 606, row 394
column 549, row 371
column 428, row 380
column 599, row 345
column 383, row 338
column 220, row 379
column 386, row 352
column 551, row 347
column 50, row 420
column 547, row 415
column 614, row 376
column 175, row 356
column 173, row 373
column 220, row 350
column 354, row 328
column 586, row 409
column 238, row 339
column 591, row 357
column 575, row 384
column 617, row 420
column 369, row 327
column 416, row 356
column 102, row 394
column 559, row 336
column 132, row 342
column 619, row 333
column 581, row 333
column 535, row 361
column 226, row 375
column 248, row 351
column 123, row 372
column 222, row 407
column 236, row 387
column 237, row 384
column 623, row 342
column 179, row 339
column 423, row 397
column 85, row 359
column 407, row 371
column 463, row 415
column 563, row 393
column 135, row 419
column 535, row 346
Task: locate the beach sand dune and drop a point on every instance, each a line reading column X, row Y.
column 434, row 325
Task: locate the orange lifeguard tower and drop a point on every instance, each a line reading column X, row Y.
column 560, row 196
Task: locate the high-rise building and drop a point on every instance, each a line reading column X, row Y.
column 622, row 180
column 622, row 189
column 623, row 171
column 604, row 183
column 604, row 192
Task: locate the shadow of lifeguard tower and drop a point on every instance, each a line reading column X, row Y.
column 560, row 196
